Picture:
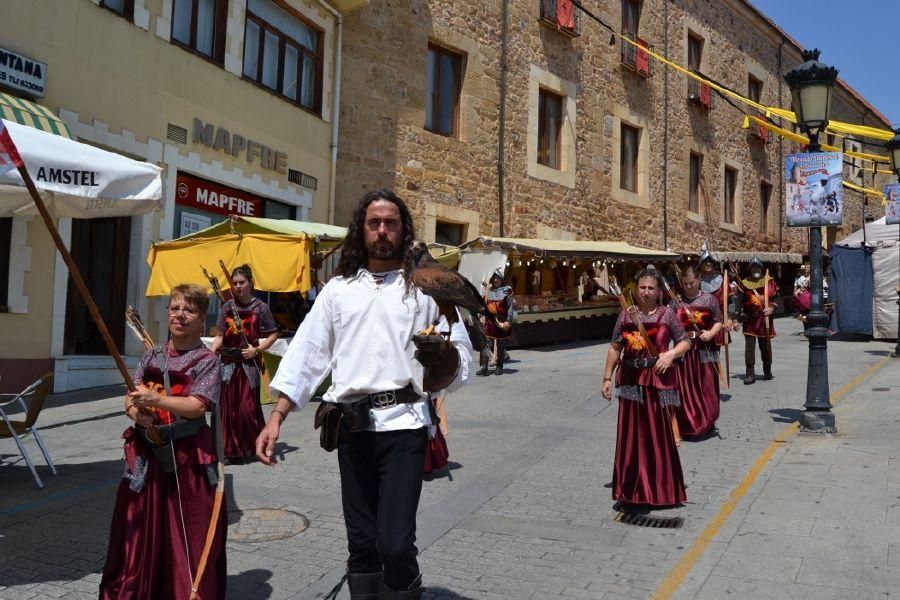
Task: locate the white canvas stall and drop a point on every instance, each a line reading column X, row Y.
column 885, row 242
column 478, row 265
column 76, row 180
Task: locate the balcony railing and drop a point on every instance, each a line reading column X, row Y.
column 562, row 15
column 700, row 93
column 636, row 58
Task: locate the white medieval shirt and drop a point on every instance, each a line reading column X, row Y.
column 360, row 330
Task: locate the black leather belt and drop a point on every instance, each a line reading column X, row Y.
column 387, row 398
column 639, row 363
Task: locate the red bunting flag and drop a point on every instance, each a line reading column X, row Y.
column 565, row 14
column 9, row 155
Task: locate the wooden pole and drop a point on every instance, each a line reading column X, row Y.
column 725, row 289
column 76, row 277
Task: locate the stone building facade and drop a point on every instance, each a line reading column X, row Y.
column 453, row 183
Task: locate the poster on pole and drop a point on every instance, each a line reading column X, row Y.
column 892, row 208
column 814, row 189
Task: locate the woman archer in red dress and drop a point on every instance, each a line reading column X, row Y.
column 647, row 468
column 240, row 350
column 697, row 373
column 165, row 505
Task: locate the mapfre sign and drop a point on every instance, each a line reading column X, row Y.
column 212, row 197
column 23, row 74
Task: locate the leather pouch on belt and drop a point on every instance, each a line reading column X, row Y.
column 328, row 418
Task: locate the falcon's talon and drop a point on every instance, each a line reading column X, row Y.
column 429, row 331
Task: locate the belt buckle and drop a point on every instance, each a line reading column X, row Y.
column 383, row 399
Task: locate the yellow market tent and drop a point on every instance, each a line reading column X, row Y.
column 278, row 250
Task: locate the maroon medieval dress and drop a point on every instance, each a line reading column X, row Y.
column 161, row 516
column 647, row 468
column 697, row 374
column 242, row 416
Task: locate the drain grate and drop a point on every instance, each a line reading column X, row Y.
column 647, row 521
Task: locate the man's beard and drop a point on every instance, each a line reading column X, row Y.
column 383, row 250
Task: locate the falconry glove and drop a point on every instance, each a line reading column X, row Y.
column 440, row 359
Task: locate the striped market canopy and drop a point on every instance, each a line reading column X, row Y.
column 31, row 114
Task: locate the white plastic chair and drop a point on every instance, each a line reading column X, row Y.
column 35, row 394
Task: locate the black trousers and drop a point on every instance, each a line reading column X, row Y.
column 765, row 349
column 381, row 481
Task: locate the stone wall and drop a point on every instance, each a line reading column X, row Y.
column 383, row 141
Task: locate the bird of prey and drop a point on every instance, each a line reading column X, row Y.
column 447, row 288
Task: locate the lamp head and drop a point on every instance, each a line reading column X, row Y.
column 811, row 84
column 893, row 148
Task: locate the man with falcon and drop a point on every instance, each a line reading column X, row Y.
column 371, row 328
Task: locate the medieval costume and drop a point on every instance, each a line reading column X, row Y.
column 359, row 330
column 647, row 467
column 697, row 374
column 498, row 299
column 242, row 415
column 166, row 497
column 754, row 291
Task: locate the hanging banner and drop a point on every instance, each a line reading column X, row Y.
column 814, row 190
column 892, row 209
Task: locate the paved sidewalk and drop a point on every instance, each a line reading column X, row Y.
column 525, row 510
column 823, row 520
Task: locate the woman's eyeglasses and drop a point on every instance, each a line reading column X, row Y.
column 187, row 311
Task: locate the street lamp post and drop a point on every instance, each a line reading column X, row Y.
column 893, row 146
column 811, row 84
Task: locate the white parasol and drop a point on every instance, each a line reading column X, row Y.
column 74, row 179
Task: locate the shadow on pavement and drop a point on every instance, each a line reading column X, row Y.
column 878, row 352
column 439, row 593
column 786, row 415
column 250, row 584
column 59, row 533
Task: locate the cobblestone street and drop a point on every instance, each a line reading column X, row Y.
column 525, row 510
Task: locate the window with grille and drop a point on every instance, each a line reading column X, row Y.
column 631, row 18
column 283, row 54
column 199, row 25
column 443, row 85
column 628, row 157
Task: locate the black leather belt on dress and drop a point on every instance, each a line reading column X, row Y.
column 230, row 352
column 639, row 363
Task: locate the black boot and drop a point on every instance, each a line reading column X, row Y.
column 483, row 371
column 767, row 371
column 499, row 369
column 366, row 586
column 750, row 377
column 414, row 592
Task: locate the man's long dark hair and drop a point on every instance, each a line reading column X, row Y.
column 354, row 255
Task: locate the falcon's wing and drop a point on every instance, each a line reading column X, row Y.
column 448, row 287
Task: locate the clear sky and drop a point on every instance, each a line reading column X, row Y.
column 859, row 37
